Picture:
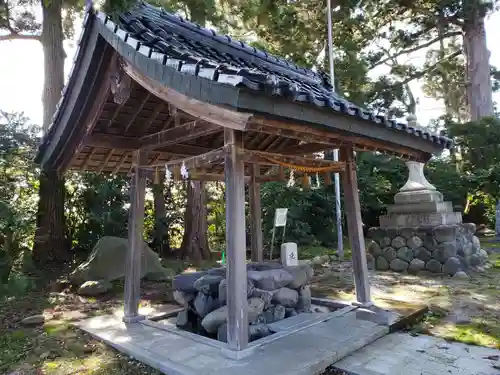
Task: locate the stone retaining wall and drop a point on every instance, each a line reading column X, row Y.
column 274, row 293
column 444, row 249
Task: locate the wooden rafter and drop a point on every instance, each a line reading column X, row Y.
column 138, row 110
column 204, row 111
column 153, row 116
column 120, row 162
column 178, row 134
column 87, row 159
column 317, row 135
column 105, row 163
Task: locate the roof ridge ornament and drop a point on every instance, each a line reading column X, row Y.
column 120, row 83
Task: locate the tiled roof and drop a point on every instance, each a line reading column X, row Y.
column 190, row 48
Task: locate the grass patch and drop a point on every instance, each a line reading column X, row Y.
column 309, row 252
column 14, row 347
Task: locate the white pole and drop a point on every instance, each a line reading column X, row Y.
column 338, row 208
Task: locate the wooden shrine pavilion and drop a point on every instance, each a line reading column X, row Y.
column 149, row 89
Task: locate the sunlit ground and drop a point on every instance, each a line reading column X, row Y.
column 462, row 310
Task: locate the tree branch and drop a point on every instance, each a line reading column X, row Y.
column 417, row 75
column 16, row 36
column 419, row 47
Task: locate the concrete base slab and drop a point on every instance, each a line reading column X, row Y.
column 306, row 351
column 400, row 353
column 378, row 315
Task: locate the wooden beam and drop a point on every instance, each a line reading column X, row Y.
column 208, row 176
column 355, row 227
column 137, row 111
column 204, row 111
column 236, row 272
column 118, row 142
column 306, row 149
column 255, row 215
column 132, row 291
column 314, row 134
column 266, row 158
column 197, row 161
column 178, row 134
column 91, row 117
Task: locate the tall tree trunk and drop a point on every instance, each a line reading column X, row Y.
column 50, row 243
column 195, row 241
column 161, row 239
column 479, row 90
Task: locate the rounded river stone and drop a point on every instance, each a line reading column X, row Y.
column 399, row 265
column 434, row 266
column 374, row 249
column 416, row 265
column 452, row 266
column 384, row 242
column 414, row 242
column 423, row 254
column 398, row 242
column 389, row 253
column 445, row 250
column 381, row 264
column 405, row 254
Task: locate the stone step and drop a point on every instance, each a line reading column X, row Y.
column 422, row 207
column 398, row 220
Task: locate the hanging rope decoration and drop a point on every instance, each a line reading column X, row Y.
column 306, row 180
column 301, row 168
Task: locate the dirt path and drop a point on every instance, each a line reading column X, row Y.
column 466, row 310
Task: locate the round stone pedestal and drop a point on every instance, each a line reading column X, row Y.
column 444, row 249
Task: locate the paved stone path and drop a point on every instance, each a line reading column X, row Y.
column 402, row 354
column 305, row 352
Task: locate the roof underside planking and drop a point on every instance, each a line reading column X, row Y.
column 187, row 84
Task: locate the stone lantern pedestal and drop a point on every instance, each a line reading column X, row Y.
column 421, row 232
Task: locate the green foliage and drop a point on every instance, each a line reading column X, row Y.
column 479, row 145
column 95, row 207
column 18, row 188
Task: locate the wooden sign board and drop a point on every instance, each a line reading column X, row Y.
column 280, row 217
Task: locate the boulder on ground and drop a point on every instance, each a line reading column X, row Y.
column 94, row 288
column 107, row 261
column 215, row 319
column 270, row 279
column 286, row 297
column 33, row 320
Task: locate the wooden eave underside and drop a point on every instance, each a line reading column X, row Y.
column 121, row 129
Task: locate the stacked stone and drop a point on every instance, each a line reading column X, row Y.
column 443, row 248
column 274, row 293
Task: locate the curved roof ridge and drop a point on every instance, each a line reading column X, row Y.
column 282, row 65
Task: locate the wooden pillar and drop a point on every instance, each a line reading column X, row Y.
column 255, row 215
column 135, row 240
column 236, row 272
column 355, row 227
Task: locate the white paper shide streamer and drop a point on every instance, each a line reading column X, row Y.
column 184, row 171
column 291, row 180
column 168, row 174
